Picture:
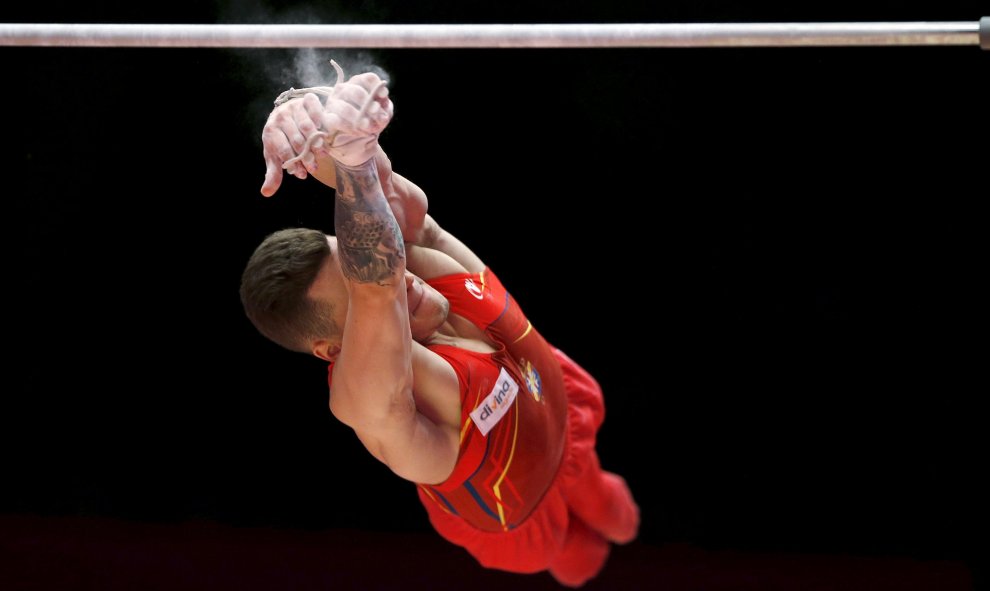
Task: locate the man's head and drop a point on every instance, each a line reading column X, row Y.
column 275, row 288
column 294, row 293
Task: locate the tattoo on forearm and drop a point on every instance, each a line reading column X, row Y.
column 368, row 238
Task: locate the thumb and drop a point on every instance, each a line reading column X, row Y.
column 273, row 178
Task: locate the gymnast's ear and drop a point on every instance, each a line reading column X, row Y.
column 326, row 350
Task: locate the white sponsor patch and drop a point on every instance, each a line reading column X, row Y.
column 496, row 404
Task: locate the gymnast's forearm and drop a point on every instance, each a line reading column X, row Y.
column 369, row 240
column 373, row 375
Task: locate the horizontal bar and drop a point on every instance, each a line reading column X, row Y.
column 494, row 35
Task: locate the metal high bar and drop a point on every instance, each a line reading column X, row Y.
column 500, row 35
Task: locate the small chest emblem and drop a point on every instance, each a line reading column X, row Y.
column 533, row 382
column 473, row 288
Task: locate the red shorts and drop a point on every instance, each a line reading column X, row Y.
column 533, row 545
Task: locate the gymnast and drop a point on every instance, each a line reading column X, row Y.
column 431, row 361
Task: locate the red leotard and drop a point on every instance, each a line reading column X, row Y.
column 500, row 476
column 528, row 495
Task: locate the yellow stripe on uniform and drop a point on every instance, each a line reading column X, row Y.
column 512, row 452
column 429, row 494
column 467, row 423
column 464, row 430
column 529, row 327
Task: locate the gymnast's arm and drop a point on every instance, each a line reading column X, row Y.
column 373, row 385
column 284, row 137
column 373, row 381
column 379, row 370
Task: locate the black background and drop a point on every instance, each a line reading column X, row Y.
column 770, row 258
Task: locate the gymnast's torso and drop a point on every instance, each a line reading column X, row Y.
column 513, row 408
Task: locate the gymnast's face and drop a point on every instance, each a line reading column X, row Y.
column 428, row 309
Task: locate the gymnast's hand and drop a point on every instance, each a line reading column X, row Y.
column 356, row 113
column 299, row 131
column 284, row 137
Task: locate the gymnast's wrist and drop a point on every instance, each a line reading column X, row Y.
column 368, row 164
column 322, row 92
